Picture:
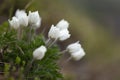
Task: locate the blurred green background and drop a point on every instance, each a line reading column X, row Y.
column 94, row 22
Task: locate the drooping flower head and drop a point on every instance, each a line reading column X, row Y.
column 64, row 34
column 74, row 47
column 63, row 24
column 76, row 51
column 60, row 31
column 54, row 32
column 78, row 55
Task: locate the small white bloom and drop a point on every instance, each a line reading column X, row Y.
column 54, row 32
column 74, row 47
column 39, row 53
column 22, row 16
column 14, row 23
column 63, row 24
column 64, row 34
column 36, row 25
column 78, row 55
column 34, row 19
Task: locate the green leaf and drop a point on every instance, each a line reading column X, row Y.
column 17, row 60
column 4, row 27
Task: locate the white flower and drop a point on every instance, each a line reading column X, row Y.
column 64, row 34
column 63, row 24
column 76, row 51
column 14, row 23
column 22, row 16
column 78, row 55
column 39, row 53
column 74, row 47
column 34, row 19
column 36, row 25
column 54, row 32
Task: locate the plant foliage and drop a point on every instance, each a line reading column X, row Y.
column 16, row 57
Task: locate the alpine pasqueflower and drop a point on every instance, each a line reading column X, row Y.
column 64, row 34
column 22, row 17
column 63, row 24
column 14, row 23
column 39, row 53
column 34, row 19
column 76, row 51
column 54, row 32
column 78, row 55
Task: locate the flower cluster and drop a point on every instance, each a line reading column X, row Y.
column 58, row 32
column 24, row 55
column 61, row 32
column 22, row 19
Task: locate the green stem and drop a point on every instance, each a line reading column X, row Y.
column 19, row 33
column 28, row 67
column 48, row 41
column 62, row 52
column 29, row 3
column 52, row 43
column 30, row 34
column 20, row 49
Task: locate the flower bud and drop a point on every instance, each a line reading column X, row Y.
column 39, row 53
column 63, row 24
column 22, row 17
column 34, row 19
column 74, row 47
column 64, row 34
column 54, row 32
column 78, row 55
column 14, row 23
